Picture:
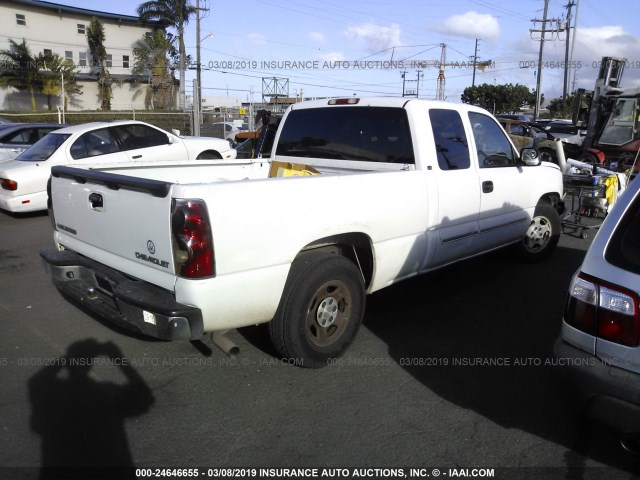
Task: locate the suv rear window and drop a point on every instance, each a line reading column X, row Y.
column 369, row 134
column 624, row 248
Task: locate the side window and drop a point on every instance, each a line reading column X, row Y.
column 94, row 143
column 140, row 136
column 623, row 249
column 20, row 137
column 79, row 149
column 43, row 131
column 518, row 130
column 451, row 141
column 492, row 145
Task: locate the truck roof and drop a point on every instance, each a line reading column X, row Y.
column 395, row 102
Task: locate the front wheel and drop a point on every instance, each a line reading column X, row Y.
column 542, row 235
column 320, row 311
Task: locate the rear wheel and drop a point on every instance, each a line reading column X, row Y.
column 320, row 311
column 209, row 155
column 542, row 235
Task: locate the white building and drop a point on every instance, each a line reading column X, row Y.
column 60, row 29
column 211, row 102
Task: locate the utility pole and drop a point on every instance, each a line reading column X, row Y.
column 441, row 84
column 475, row 61
column 411, row 92
column 573, row 43
column 543, row 31
column 567, row 67
column 198, row 67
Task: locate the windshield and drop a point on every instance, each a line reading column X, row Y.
column 43, row 148
column 620, row 126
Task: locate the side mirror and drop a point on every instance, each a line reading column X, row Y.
column 530, row 157
column 175, row 132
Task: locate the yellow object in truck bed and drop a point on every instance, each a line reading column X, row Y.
column 287, row 169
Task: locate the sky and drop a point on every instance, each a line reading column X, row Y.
column 328, row 48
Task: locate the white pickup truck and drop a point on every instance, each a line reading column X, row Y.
column 398, row 187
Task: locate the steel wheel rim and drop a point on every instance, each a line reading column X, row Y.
column 538, row 234
column 329, row 313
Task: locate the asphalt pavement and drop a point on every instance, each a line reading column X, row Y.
column 451, row 371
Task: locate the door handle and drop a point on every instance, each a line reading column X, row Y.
column 135, row 157
column 487, row 187
column 96, row 202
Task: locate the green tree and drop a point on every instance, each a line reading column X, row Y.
column 507, row 98
column 561, row 108
column 155, row 56
column 55, row 69
column 175, row 13
column 20, row 70
column 95, row 39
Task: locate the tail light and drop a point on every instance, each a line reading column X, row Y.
column 7, row 184
column 604, row 310
column 192, row 239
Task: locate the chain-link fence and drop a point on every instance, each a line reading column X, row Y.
column 168, row 121
column 212, row 123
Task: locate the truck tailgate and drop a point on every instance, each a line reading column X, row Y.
column 121, row 221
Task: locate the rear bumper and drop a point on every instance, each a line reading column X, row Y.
column 30, row 202
column 611, row 393
column 133, row 304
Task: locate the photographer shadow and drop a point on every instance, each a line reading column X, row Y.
column 80, row 416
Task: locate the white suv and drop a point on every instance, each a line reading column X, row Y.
column 599, row 344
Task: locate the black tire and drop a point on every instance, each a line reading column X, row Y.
column 588, row 157
column 542, row 235
column 547, row 155
column 209, row 155
column 320, row 311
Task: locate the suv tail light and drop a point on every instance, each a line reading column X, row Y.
column 604, row 310
column 192, row 239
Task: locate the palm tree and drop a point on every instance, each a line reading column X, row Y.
column 155, row 56
column 55, row 70
column 21, row 70
column 175, row 13
column 95, row 39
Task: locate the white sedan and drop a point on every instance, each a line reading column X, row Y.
column 24, row 180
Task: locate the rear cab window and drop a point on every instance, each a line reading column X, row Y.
column 623, row 250
column 368, row 134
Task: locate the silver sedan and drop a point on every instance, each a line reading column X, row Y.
column 15, row 138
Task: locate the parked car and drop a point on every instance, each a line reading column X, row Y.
column 514, row 116
column 15, row 138
column 24, row 180
column 566, row 130
column 530, row 135
column 599, row 344
column 228, row 130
